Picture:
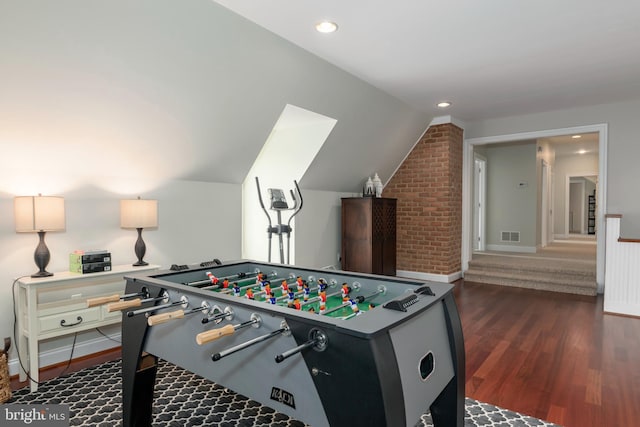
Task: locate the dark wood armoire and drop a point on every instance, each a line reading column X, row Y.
column 369, row 235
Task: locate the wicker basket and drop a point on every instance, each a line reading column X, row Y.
column 5, row 384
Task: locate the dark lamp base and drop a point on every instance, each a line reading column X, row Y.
column 140, row 264
column 42, row 274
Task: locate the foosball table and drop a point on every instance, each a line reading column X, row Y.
column 326, row 347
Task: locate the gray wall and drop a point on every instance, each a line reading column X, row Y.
column 166, row 79
column 192, row 228
column 172, row 100
column 623, row 149
column 511, row 207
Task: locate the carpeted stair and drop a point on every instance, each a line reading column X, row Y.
column 573, row 276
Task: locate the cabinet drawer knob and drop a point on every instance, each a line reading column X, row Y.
column 63, row 322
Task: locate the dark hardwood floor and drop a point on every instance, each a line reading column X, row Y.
column 58, row 369
column 550, row 355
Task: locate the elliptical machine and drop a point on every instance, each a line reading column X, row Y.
column 279, row 204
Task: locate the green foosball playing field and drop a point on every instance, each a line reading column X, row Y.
column 323, row 298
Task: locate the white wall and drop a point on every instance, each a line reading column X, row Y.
column 511, row 207
column 188, row 86
column 623, row 149
column 197, row 221
column 566, row 167
column 105, row 100
column 318, row 229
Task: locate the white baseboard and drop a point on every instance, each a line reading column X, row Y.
column 626, row 309
column 444, row 278
column 61, row 354
column 509, row 248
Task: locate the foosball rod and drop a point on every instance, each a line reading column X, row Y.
column 158, row 319
column 136, row 302
column 250, row 281
column 183, row 301
column 217, row 356
column 241, row 275
column 92, row 302
column 317, row 298
column 319, row 340
column 214, row 334
column 227, row 313
column 359, row 299
column 242, row 288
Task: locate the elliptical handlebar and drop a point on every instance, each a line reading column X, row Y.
column 262, row 203
column 280, row 229
column 295, row 203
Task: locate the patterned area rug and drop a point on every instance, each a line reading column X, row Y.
column 184, row 399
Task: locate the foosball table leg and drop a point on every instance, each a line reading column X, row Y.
column 138, row 375
column 448, row 408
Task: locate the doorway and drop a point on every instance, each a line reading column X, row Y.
column 552, row 209
column 580, row 209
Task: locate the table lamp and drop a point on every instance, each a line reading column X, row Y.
column 139, row 214
column 39, row 214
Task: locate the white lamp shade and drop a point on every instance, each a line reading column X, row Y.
column 138, row 213
column 39, row 213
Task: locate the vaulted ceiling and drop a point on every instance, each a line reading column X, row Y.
column 490, row 58
column 160, row 90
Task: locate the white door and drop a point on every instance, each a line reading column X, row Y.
column 545, row 211
column 479, row 197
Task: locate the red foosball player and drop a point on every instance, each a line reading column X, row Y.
column 296, row 304
column 264, row 284
column 284, row 286
column 345, row 292
column 225, row 283
column 267, row 290
column 323, row 302
column 249, row 294
column 259, row 278
column 300, row 283
column 211, row 277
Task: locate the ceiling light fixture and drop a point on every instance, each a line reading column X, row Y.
column 326, row 27
column 576, row 136
column 444, row 104
column 582, row 151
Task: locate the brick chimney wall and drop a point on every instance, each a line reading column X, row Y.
column 428, row 186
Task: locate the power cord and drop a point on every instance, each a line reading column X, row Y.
column 107, row 336
column 73, row 347
column 15, row 339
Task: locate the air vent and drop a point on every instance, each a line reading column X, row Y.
column 510, row 236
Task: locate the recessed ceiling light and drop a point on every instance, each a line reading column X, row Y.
column 326, row 27
column 444, row 104
column 582, row 151
column 576, row 136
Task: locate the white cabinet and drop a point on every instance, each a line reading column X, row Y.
column 57, row 305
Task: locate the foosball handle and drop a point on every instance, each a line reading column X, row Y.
column 157, row 319
column 122, row 305
column 214, row 334
column 92, row 302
